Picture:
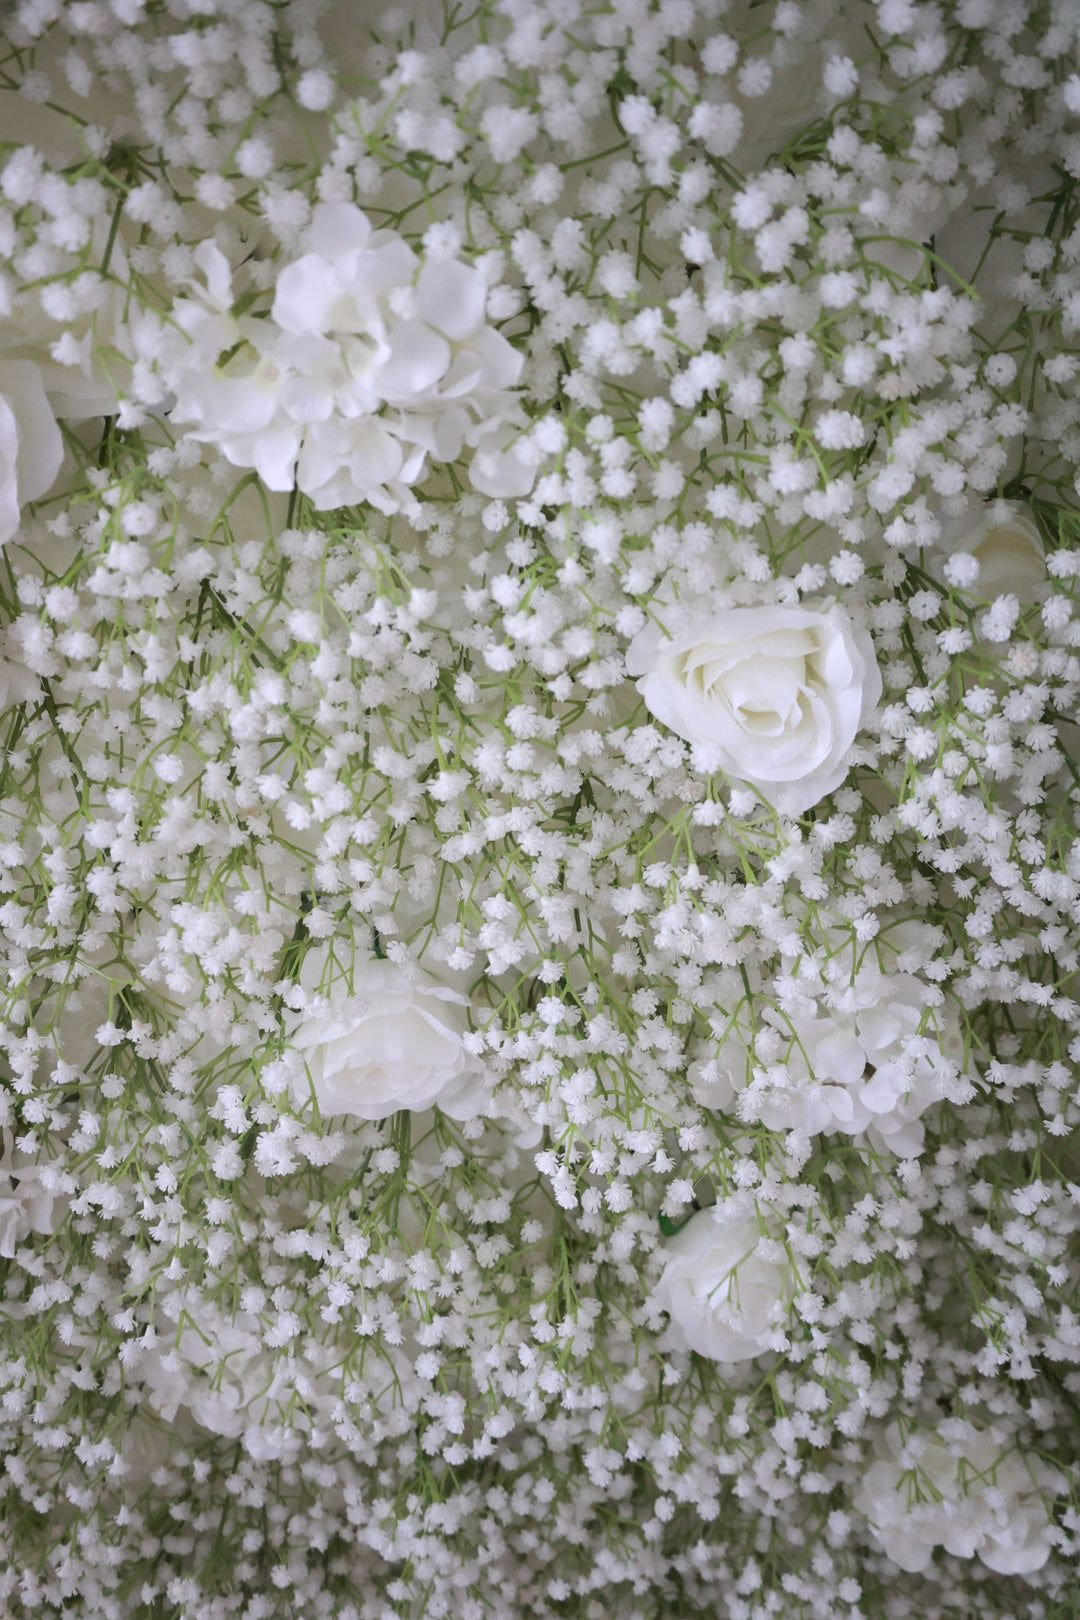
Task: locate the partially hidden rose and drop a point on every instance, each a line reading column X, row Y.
column 395, row 1043
column 1003, row 538
column 727, row 1285
column 772, row 696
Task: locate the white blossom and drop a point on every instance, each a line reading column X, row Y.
column 972, row 1497
column 31, row 449
column 396, row 1042
column 773, row 696
column 30, row 1197
column 727, row 1285
column 372, row 363
column 870, row 1057
column 1004, row 540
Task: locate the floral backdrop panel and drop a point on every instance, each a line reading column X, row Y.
column 539, row 809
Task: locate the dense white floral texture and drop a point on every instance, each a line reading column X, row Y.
column 970, row 1496
column 481, row 1138
column 727, row 1284
column 372, row 364
column 395, row 1043
column 773, row 696
column 31, row 448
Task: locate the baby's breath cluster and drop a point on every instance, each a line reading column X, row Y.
column 539, row 848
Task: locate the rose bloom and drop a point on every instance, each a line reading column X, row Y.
column 396, row 1043
column 1004, row 539
column 974, row 1498
column 727, row 1286
column 31, row 448
column 772, row 696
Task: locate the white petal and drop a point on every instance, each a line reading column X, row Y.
column 450, row 296
column 307, row 291
column 41, row 447
column 9, row 484
column 418, row 358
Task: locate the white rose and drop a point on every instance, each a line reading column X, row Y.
column 31, row 448
column 397, row 1043
column 1004, row 540
column 727, row 1286
column 773, row 696
column 970, row 1498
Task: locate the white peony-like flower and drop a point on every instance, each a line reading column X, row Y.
column 372, row 363
column 222, row 1373
column 235, row 1376
column 972, row 1498
column 31, row 1198
column 726, row 1285
column 872, row 1063
column 773, row 696
column 1004, row 540
column 31, row 448
column 396, row 1043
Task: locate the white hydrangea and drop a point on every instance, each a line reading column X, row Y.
column 373, row 363
column 870, row 1057
column 242, row 1377
column 224, row 1375
column 31, row 1198
column 973, row 1496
